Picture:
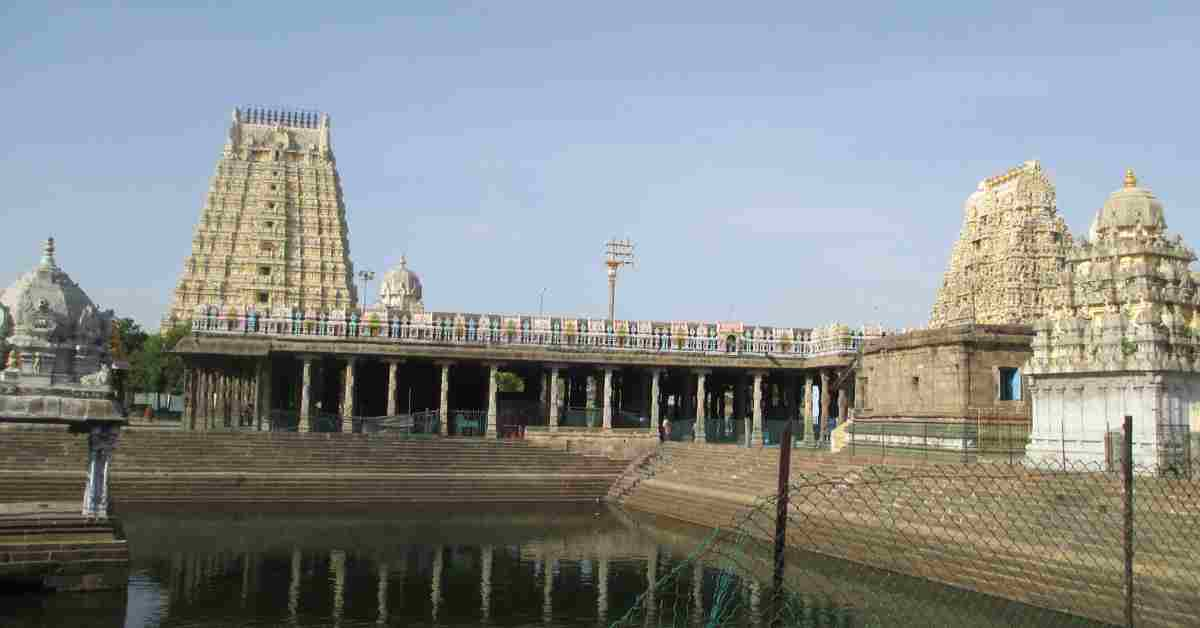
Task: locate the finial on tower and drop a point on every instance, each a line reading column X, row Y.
column 1130, row 179
column 403, row 261
column 48, row 253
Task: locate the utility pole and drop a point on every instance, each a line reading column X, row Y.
column 618, row 253
column 541, row 301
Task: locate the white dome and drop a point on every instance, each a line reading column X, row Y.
column 401, row 288
column 1129, row 207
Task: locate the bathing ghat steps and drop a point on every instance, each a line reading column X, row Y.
column 161, row 467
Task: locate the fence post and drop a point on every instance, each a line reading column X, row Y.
column 781, row 515
column 1127, row 477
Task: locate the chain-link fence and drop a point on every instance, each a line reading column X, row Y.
column 982, row 543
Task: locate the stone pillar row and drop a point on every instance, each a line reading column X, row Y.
column 213, row 395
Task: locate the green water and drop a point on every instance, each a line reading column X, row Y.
column 529, row 565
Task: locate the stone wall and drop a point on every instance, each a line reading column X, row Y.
column 625, row 444
column 951, row 372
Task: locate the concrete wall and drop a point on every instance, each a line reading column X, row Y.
column 1072, row 413
column 951, row 372
column 624, row 444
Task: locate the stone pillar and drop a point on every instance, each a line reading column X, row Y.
column 698, row 590
column 554, row 401
column 655, row 395
column 591, row 392
column 806, row 413
column 102, row 440
column 444, row 402
column 602, row 590
column 199, row 409
column 544, row 396
column 306, row 394
column 701, row 405
column 842, row 404
column 189, row 404
column 485, row 582
column 757, row 411
column 393, row 376
column 823, row 405
column 266, row 392
column 492, row 410
column 381, row 595
column 348, row 396
column 608, row 399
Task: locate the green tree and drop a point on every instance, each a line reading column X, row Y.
column 507, row 382
column 153, row 367
column 130, row 335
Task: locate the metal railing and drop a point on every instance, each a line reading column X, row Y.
column 556, row 333
column 940, row 440
column 582, row 417
column 724, row 430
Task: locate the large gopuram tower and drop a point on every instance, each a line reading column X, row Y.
column 1013, row 243
column 273, row 228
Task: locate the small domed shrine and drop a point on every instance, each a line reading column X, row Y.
column 1119, row 338
column 401, row 289
column 54, row 342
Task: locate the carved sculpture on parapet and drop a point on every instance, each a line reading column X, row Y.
column 1013, row 243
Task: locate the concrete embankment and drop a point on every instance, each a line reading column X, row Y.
column 1048, row 540
column 159, row 468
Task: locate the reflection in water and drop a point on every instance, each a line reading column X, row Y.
column 559, row 567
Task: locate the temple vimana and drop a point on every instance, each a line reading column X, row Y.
column 1013, row 244
column 272, row 230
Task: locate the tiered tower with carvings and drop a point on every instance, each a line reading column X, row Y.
column 1119, row 338
column 1012, row 245
column 272, row 232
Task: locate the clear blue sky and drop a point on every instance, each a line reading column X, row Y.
column 789, row 163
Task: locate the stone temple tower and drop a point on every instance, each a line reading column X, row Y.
column 272, row 231
column 1005, row 264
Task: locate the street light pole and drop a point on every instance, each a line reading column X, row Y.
column 618, row 253
column 541, row 301
column 365, row 276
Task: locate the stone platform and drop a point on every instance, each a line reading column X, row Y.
column 50, row 546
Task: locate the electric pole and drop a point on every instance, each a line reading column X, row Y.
column 618, row 253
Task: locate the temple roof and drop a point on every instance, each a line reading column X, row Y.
column 45, row 302
column 1129, row 207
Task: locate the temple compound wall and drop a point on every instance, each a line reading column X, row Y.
column 958, row 372
column 1120, row 339
column 272, row 231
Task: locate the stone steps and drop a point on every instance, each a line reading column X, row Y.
column 180, row 467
